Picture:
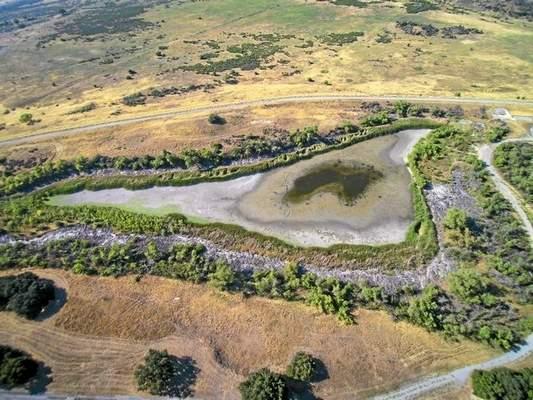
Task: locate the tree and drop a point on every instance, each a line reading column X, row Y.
column 26, row 294
column 264, row 385
column 502, row 383
column 402, row 108
column 455, row 219
column 16, row 367
column 302, row 367
column 25, row 118
column 424, row 310
column 157, row 374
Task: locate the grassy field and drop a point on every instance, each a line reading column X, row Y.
column 73, row 70
column 94, row 342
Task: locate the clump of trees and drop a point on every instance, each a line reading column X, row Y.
column 25, row 294
column 503, row 383
column 16, row 367
column 457, row 230
column 471, row 287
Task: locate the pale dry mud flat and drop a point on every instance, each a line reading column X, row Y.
column 256, row 202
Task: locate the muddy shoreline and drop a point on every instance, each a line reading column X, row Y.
column 256, row 202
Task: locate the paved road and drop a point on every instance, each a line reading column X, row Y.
column 243, row 104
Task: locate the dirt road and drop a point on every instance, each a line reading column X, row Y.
column 485, row 154
column 460, row 376
column 250, row 103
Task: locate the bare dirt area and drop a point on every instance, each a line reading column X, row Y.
column 102, row 332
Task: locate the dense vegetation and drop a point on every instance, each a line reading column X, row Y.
column 503, row 383
column 16, row 367
column 475, row 305
column 26, row 294
column 515, row 162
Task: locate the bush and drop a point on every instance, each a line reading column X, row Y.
column 26, row 294
column 26, row 118
column 264, row 385
column 497, row 134
column 380, row 118
column 16, row 367
column 302, row 367
column 216, row 119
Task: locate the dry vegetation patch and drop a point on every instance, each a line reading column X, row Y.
column 102, row 332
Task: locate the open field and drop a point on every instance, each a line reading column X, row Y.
column 60, row 68
column 94, row 342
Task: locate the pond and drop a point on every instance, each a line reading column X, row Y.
column 357, row 195
column 347, row 182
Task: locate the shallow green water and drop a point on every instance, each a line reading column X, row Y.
column 347, row 182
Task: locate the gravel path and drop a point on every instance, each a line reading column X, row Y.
column 485, row 154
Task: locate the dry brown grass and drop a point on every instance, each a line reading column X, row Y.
column 102, row 332
column 174, row 134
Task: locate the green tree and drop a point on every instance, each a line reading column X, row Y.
column 223, row 277
column 16, row 367
column 264, row 385
column 455, row 219
column 424, row 310
column 157, row 374
column 402, row 108
column 302, row 367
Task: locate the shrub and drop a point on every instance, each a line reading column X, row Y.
column 16, row 367
column 216, row 119
column 264, row 385
column 380, row 118
column 25, row 118
column 302, row 367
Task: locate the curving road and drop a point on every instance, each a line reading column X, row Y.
column 460, row 376
column 485, row 154
column 260, row 102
